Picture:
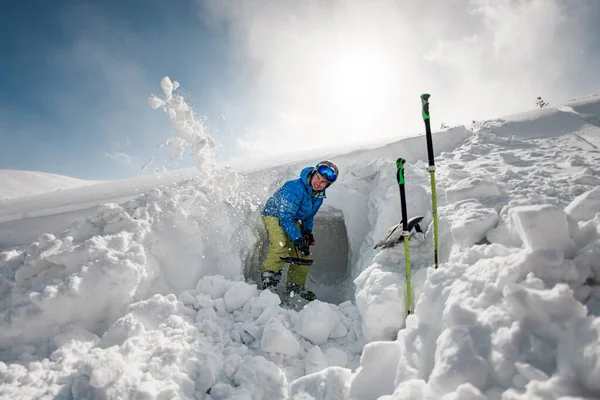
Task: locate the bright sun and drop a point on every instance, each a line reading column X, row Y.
column 360, row 85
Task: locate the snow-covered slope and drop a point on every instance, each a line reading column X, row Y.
column 146, row 296
column 15, row 184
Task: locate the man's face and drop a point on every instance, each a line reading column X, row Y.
column 318, row 183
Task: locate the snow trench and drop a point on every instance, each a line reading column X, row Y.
column 329, row 275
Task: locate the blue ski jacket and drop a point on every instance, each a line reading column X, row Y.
column 295, row 201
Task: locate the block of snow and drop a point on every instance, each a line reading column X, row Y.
column 105, row 371
column 580, row 353
column 554, row 306
column 231, row 364
column 457, row 362
column 471, row 188
column 215, row 286
column 266, row 298
column 336, row 357
column 167, row 87
column 585, row 206
column 381, row 302
column 276, row 338
column 377, row 372
column 316, row 321
column 266, row 314
column 314, row 361
column 541, row 226
column 262, row 378
column 332, row 383
column 238, row 294
column 471, row 222
column 339, row 331
column 155, row 102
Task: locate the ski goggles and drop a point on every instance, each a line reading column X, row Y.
column 327, row 172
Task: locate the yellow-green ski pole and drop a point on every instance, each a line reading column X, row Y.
column 400, row 177
column 431, row 169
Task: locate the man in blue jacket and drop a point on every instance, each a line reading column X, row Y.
column 288, row 216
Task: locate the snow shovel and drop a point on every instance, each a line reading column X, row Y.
column 297, row 260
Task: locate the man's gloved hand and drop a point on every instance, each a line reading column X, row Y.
column 308, row 236
column 302, row 245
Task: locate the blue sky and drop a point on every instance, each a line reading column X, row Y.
column 287, row 75
column 76, row 76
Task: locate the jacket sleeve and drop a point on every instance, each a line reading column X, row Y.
column 287, row 209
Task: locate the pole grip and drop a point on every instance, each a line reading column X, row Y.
column 425, row 105
column 400, row 176
column 400, row 170
column 427, row 120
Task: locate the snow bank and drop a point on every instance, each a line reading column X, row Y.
column 495, row 320
column 544, row 123
column 17, row 184
column 188, row 346
column 124, row 253
column 495, row 327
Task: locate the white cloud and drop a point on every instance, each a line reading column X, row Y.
column 123, row 158
column 351, row 70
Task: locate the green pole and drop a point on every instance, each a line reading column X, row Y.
column 400, row 177
column 431, row 169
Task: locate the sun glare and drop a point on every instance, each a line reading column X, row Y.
column 360, row 85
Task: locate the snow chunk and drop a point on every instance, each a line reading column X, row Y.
column 585, row 206
column 580, row 352
column 238, row 295
column 471, row 222
column 106, row 372
column 167, row 87
column 542, row 227
column 147, row 164
column 457, row 362
column 316, row 321
column 543, row 306
column 471, row 188
column 264, row 377
column 155, row 102
column 276, row 338
column 266, row 298
column 336, row 357
column 380, row 299
column 314, row 361
column 377, row 371
column 215, row 286
column 175, row 155
column 332, row 383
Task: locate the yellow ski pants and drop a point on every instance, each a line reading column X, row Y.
column 280, row 245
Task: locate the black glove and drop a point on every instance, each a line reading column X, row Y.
column 309, row 237
column 302, row 246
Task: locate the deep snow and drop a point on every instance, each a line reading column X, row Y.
column 27, row 183
column 143, row 288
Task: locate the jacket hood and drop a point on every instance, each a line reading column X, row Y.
column 304, row 175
